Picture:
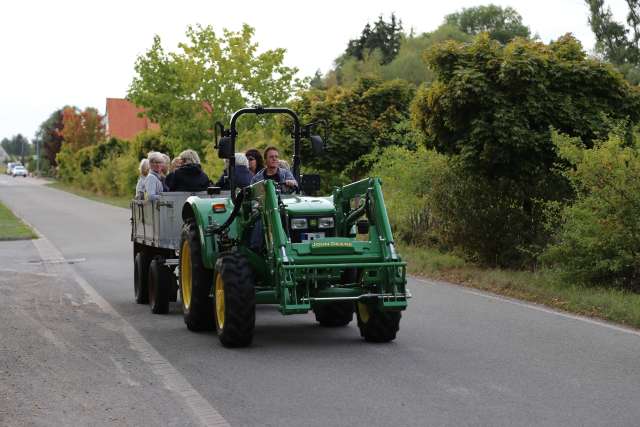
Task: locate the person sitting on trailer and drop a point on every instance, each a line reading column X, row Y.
column 153, row 183
column 242, row 173
column 144, row 171
column 189, row 176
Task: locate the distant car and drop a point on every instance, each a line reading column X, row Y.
column 11, row 165
column 19, row 171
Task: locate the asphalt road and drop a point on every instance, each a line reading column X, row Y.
column 461, row 357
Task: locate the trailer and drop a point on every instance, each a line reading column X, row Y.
column 156, row 227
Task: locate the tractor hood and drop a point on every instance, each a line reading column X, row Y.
column 303, row 205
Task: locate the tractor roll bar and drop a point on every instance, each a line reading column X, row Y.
column 233, row 133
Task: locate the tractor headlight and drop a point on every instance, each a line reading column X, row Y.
column 325, row 222
column 298, row 223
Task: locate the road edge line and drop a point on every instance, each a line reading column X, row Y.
column 532, row 306
column 170, row 376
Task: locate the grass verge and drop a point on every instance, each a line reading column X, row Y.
column 12, row 228
column 121, row 202
column 542, row 287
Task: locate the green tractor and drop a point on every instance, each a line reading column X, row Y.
column 334, row 255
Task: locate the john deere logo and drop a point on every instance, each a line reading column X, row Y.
column 331, row 244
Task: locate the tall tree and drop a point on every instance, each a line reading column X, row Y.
column 384, row 36
column 616, row 42
column 502, row 24
column 82, row 128
column 17, row 146
column 49, row 136
column 207, row 80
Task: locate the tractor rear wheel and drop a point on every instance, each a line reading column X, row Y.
column 141, row 277
column 159, row 286
column 235, row 300
column 376, row 325
column 195, row 281
column 334, row 314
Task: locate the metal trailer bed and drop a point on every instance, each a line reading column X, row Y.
column 156, row 228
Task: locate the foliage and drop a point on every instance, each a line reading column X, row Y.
column 491, row 108
column 81, row 128
column 599, row 238
column 17, row 146
column 49, row 136
column 493, row 105
column 78, row 166
column 369, row 116
column 384, row 37
column 409, row 179
column 207, row 80
column 502, row 24
column 616, row 42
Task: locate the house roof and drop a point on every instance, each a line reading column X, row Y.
column 123, row 121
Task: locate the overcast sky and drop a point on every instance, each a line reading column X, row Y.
column 81, row 52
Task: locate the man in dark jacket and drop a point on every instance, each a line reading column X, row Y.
column 189, row 176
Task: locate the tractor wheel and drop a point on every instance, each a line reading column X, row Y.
column 377, row 325
column 235, row 300
column 141, row 277
column 195, row 281
column 159, row 287
column 334, row 314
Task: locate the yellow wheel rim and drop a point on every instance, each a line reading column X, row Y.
column 363, row 310
column 220, row 301
column 185, row 274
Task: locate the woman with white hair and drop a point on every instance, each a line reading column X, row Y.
column 189, row 176
column 153, row 183
column 242, row 174
column 144, row 171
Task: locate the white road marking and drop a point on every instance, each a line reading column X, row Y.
column 173, row 380
column 533, row 307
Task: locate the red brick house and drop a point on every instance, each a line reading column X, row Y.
column 122, row 119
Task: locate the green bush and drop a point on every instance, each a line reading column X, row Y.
column 599, row 236
column 409, row 179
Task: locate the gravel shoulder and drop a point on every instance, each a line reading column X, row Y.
column 63, row 360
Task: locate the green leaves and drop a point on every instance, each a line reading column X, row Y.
column 599, row 236
column 209, row 78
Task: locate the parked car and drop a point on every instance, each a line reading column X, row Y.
column 19, row 170
column 11, row 165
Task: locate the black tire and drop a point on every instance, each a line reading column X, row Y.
column 159, row 286
column 376, row 325
column 141, row 277
column 334, row 314
column 235, row 300
column 195, row 281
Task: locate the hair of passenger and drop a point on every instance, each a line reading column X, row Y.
column 155, row 156
column 144, row 167
column 283, row 164
column 166, row 159
column 252, row 152
column 270, row 148
column 241, row 160
column 189, row 156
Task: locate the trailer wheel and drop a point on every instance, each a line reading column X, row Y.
column 195, row 281
column 235, row 301
column 141, row 277
column 334, row 314
column 376, row 325
column 159, row 287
